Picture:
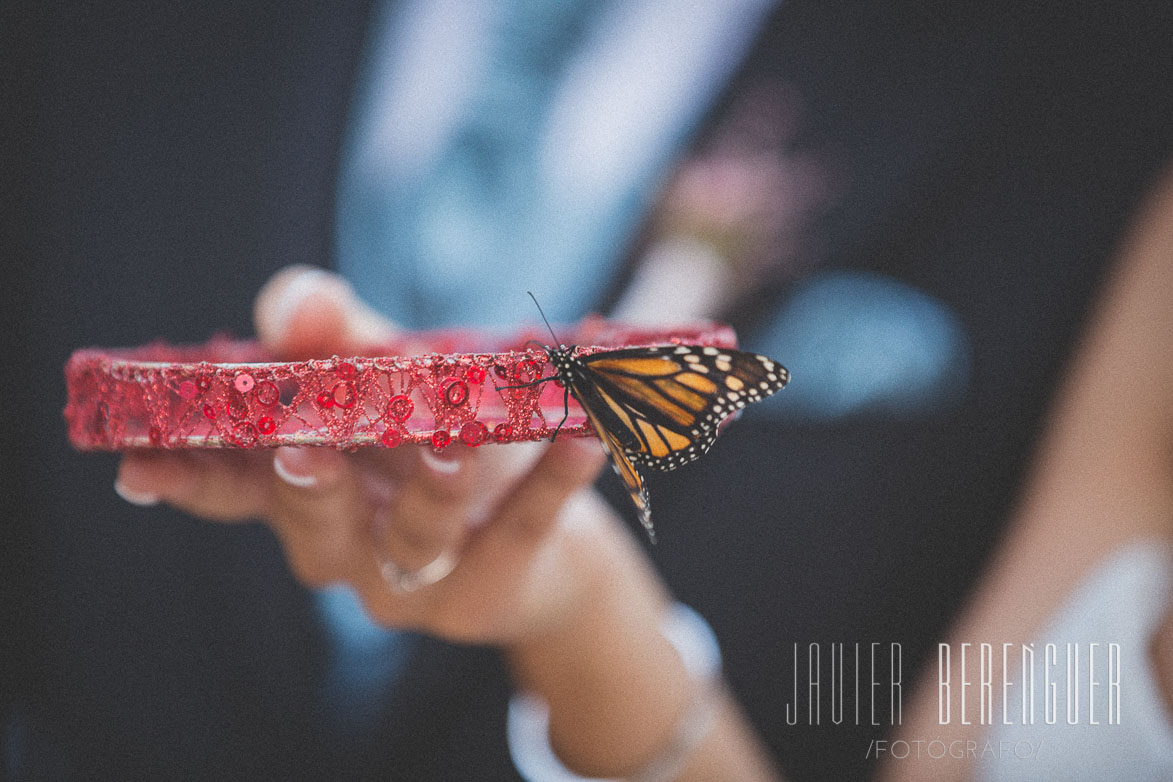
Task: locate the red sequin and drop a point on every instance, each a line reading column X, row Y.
column 266, row 425
column 474, row 433
column 391, row 438
column 267, row 394
column 502, row 432
column 188, row 390
column 209, row 412
column 236, row 407
column 475, row 375
column 441, row 438
column 245, row 434
column 326, row 400
column 528, row 371
column 400, row 407
column 203, row 382
column 346, row 370
column 455, row 391
column 244, row 382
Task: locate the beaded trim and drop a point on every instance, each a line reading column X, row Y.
column 427, row 388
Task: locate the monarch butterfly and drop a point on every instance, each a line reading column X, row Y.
column 660, row 406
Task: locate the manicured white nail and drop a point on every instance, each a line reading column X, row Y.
column 296, row 292
column 440, row 465
column 142, row 499
column 301, row 481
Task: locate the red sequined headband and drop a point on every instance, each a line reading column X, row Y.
column 425, row 389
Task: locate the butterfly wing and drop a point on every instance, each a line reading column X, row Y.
column 625, row 469
column 661, row 406
column 665, row 403
column 617, row 440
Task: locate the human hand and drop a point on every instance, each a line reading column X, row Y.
column 515, row 526
column 496, row 545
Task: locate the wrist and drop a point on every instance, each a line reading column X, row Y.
column 615, row 686
column 592, row 577
column 604, row 588
column 531, row 736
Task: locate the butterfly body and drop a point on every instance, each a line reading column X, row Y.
column 661, row 406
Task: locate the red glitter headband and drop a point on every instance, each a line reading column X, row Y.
column 425, row 389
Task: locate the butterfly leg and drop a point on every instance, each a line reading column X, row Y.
column 565, row 412
column 531, row 384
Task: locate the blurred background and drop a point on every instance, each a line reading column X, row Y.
column 911, row 209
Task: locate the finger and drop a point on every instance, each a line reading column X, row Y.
column 305, row 312
column 320, row 469
column 320, row 512
column 567, row 466
column 380, row 469
column 512, row 560
column 428, row 517
column 222, row 486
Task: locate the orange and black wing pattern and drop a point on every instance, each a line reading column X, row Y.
column 661, row 406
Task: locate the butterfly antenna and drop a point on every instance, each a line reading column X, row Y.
column 548, row 326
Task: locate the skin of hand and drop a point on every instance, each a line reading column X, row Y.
column 500, row 508
column 545, row 570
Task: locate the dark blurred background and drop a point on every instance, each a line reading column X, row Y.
column 162, row 160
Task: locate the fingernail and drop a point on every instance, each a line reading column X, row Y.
column 295, row 466
column 368, row 327
column 141, row 498
column 295, row 293
column 444, row 465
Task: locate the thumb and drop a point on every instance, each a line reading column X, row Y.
column 306, row 312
